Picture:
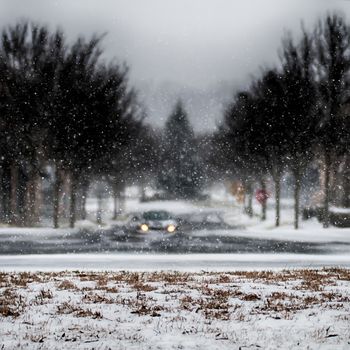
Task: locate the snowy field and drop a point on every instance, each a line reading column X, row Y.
column 306, row 309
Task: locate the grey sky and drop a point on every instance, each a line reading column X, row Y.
column 199, row 50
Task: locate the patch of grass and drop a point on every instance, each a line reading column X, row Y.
column 250, row 297
column 143, row 287
column 66, row 285
column 212, row 295
column 169, row 277
column 22, row 279
column 43, row 296
column 97, row 299
column 66, row 309
column 12, row 304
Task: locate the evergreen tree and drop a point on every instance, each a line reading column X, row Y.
column 180, row 175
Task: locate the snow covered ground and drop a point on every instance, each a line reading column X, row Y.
column 306, row 309
column 310, row 230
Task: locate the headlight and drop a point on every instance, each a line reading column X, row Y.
column 144, row 227
column 171, row 228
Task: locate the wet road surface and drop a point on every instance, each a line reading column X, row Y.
column 117, row 240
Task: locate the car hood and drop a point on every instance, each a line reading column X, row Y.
column 160, row 223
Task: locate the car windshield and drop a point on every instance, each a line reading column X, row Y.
column 156, row 215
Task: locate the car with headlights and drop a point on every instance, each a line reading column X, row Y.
column 153, row 220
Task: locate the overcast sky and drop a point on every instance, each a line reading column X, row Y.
column 199, row 50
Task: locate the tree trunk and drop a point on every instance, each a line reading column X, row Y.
column 37, row 198
column 2, row 209
column 65, row 195
column 115, row 202
column 121, row 201
column 249, row 207
column 28, row 205
column 31, row 202
column 6, row 192
column 143, row 192
column 14, row 194
column 99, row 210
column 73, row 188
column 78, row 201
column 327, row 169
column 83, row 202
column 346, row 182
column 56, row 198
column 263, row 204
column 297, row 179
column 277, row 180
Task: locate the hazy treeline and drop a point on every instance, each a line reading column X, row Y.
column 68, row 119
column 65, row 115
column 292, row 116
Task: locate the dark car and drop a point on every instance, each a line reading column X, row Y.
column 153, row 220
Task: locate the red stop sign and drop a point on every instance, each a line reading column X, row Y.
column 261, row 196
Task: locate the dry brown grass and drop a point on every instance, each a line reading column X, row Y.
column 45, row 294
column 101, row 281
column 3, row 279
column 250, row 297
column 21, row 280
column 102, row 278
column 197, row 292
column 334, row 297
column 214, row 304
column 322, row 276
column 170, row 277
column 216, row 308
column 83, row 276
column 145, row 309
column 286, row 305
column 339, row 273
column 66, row 309
column 187, row 303
column 112, row 289
column 66, row 285
column 37, row 338
column 87, row 313
column 143, row 287
column 144, row 305
column 97, row 299
column 11, row 303
column 43, row 297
